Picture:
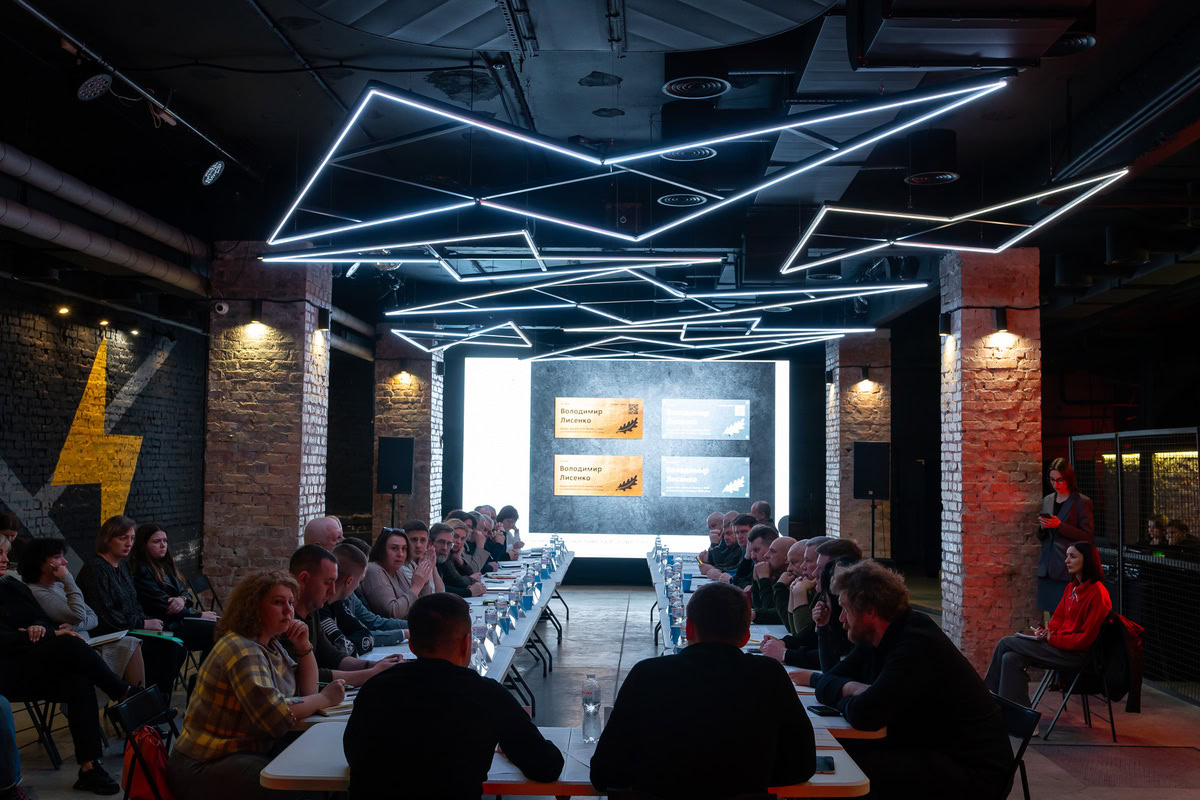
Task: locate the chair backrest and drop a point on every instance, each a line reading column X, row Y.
column 199, row 584
column 147, row 707
column 1020, row 722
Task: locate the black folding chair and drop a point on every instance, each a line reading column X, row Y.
column 1090, row 679
column 200, row 584
column 147, row 707
column 41, row 715
column 1020, row 722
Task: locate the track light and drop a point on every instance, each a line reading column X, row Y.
column 1001, row 319
column 944, row 327
column 256, row 309
column 94, row 86
column 213, row 172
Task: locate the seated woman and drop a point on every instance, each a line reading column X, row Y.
column 163, row 594
column 107, row 585
column 391, row 589
column 1064, row 643
column 37, row 661
column 43, row 567
column 249, row 694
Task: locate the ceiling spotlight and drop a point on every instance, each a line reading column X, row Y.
column 103, row 323
column 213, row 172
column 94, row 86
column 63, row 311
column 353, row 269
column 1001, row 319
column 682, row 200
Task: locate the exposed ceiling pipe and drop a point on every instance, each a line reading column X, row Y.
column 38, row 173
column 92, row 54
column 297, row 55
column 73, row 237
column 353, row 348
column 352, row 322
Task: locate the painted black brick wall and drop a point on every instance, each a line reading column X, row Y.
column 45, row 361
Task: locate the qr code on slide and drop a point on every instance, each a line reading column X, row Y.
column 633, row 408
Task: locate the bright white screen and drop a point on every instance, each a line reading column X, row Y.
column 496, row 411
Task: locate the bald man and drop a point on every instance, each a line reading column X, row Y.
column 790, row 585
column 761, row 511
column 715, row 544
column 324, row 531
column 767, row 570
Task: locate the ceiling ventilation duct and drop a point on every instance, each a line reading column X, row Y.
column 690, row 154
column 696, row 87
column 949, row 34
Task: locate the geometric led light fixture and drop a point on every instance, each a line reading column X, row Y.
column 926, row 104
column 928, row 237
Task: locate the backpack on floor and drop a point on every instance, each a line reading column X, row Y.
column 144, row 773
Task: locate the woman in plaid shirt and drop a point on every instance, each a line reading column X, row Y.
column 249, row 693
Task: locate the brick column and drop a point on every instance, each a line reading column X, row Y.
column 408, row 403
column 856, row 410
column 991, row 448
column 267, row 411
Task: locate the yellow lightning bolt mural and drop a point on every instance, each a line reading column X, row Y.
column 89, row 455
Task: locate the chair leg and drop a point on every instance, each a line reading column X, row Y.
column 1112, row 725
column 1024, row 780
column 1042, row 687
column 1087, row 711
column 1066, row 697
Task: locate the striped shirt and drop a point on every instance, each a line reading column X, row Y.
column 242, row 700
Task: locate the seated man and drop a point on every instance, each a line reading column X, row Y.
column 384, row 631
column 770, row 565
column 761, row 511
column 649, row 747
column 429, row 728
column 316, row 571
column 455, row 582
column 339, row 624
column 789, row 584
column 714, row 536
column 800, row 648
column 944, row 730
column 325, row 531
column 743, row 573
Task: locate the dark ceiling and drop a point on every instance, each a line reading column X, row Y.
column 1095, row 86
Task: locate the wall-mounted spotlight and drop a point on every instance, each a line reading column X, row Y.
column 1001, row 315
column 829, row 377
column 322, row 319
column 256, row 310
column 866, row 372
column 213, row 173
column 63, row 311
column 944, row 327
column 134, row 332
column 103, row 323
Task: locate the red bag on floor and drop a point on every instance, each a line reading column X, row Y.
column 150, row 771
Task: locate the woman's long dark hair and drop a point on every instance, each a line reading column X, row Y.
column 831, row 598
column 161, row 567
column 1063, row 467
column 379, row 549
column 1092, row 569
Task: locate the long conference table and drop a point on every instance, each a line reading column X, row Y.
column 316, row 760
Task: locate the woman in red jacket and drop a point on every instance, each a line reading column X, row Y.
column 1064, row 643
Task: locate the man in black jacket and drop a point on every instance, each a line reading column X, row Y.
column 647, row 746
column 419, row 729
column 442, row 539
column 945, row 733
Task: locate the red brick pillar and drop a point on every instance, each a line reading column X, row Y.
column 856, row 410
column 408, row 403
column 991, row 448
column 267, row 410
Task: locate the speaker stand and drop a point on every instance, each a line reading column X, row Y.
column 394, row 517
column 872, row 526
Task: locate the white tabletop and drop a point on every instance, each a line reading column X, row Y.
column 317, row 762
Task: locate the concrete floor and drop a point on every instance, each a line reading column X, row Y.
column 610, row 631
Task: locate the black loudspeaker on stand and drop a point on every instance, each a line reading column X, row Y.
column 872, row 476
column 395, row 468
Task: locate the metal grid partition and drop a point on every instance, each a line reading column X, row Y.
column 1145, row 489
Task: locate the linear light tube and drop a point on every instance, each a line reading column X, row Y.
column 1046, row 220
column 394, row 246
column 768, row 349
column 557, row 221
column 813, row 290
column 836, row 257
column 814, row 162
column 371, row 223
column 301, row 260
column 500, row 292
column 491, row 310
column 493, row 128
column 328, row 155
column 805, row 120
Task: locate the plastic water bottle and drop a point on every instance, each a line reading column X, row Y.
column 592, row 723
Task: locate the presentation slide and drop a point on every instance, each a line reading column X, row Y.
column 615, row 452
